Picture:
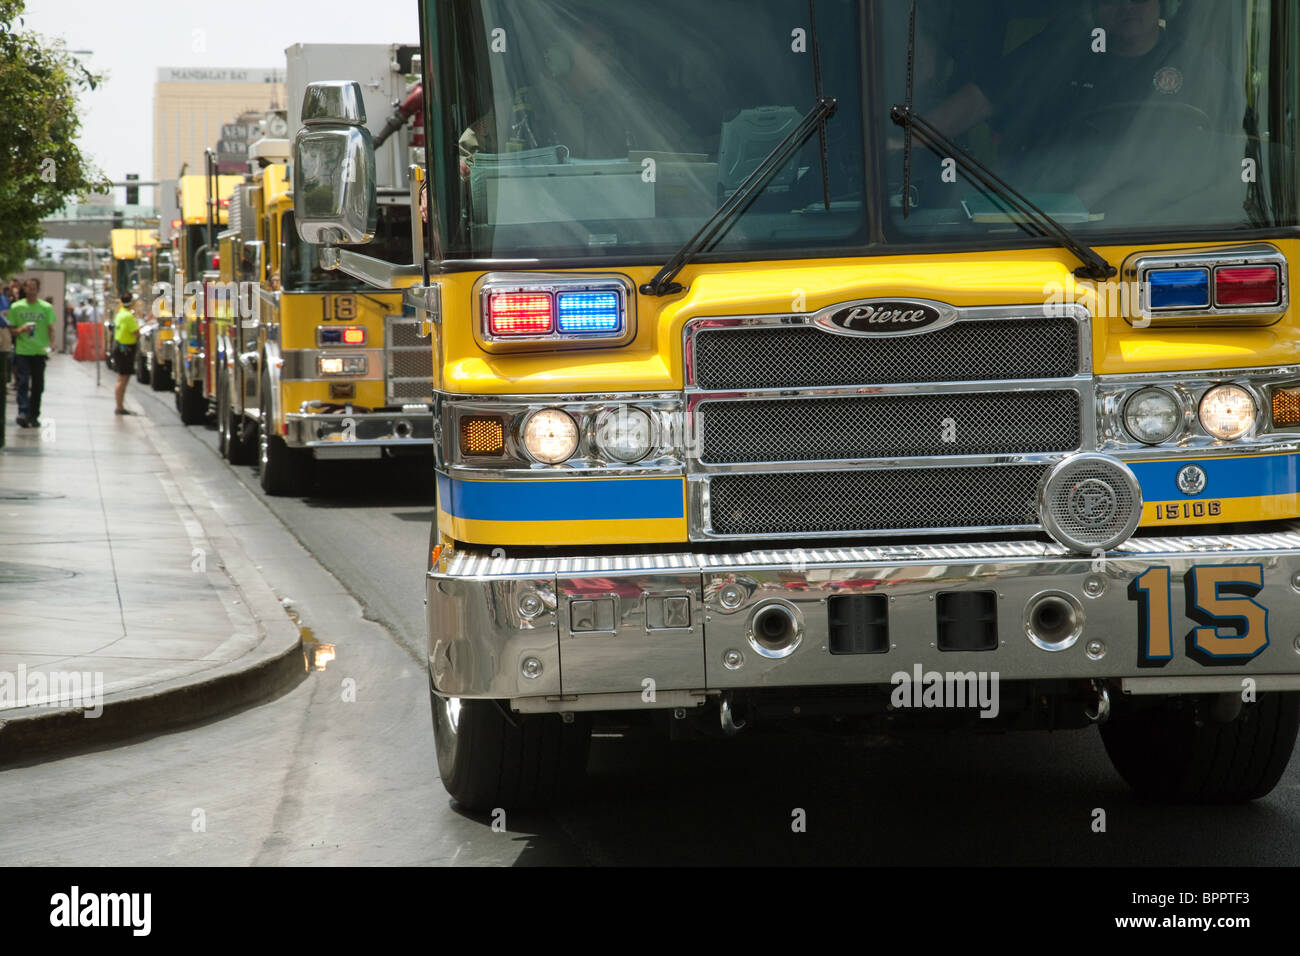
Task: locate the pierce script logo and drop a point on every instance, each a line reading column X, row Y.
column 883, row 317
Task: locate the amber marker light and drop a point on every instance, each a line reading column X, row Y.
column 482, row 436
column 1286, row 407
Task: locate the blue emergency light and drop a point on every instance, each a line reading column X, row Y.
column 1179, row 288
column 589, row 312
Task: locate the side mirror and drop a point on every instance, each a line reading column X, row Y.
column 250, row 262
column 334, row 196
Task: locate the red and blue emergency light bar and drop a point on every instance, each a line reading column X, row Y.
column 555, row 313
column 1249, row 281
column 1233, row 286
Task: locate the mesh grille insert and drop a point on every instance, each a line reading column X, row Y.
column 887, row 499
column 410, row 361
column 805, row 356
column 830, row 429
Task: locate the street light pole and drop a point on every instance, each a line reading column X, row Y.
column 98, row 328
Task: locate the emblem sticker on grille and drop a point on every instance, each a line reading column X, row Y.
column 885, row 317
column 1092, row 502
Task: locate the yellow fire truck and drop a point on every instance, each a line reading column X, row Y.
column 203, row 200
column 851, row 363
column 155, row 355
column 125, row 245
column 130, row 251
column 325, row 367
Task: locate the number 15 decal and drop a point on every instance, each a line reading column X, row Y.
column 1219, row 597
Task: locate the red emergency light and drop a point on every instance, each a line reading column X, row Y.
column 520, row 313
column 1247, row 285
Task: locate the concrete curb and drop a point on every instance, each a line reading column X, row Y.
column 275, row 665
column 51, row 733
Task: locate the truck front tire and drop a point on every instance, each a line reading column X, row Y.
column 233, row 444
column 281, row 469
column 194, row 405
column 160, row 377
column 1181, row 751
column 490, row 758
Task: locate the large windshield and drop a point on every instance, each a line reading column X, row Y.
column 585, row 127
column 591, row 128
column 1136, row 115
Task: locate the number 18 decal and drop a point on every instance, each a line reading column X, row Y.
column 1219, row 597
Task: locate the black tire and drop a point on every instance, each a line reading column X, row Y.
column 141, row 369
column 160, row 378
column 193, row 404
column 230, row 428
column 1178, row 752
column 281, row 469
column 489, row 758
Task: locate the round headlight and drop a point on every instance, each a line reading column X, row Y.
column 1227, row 411
column 625, row 434
column 1151, row 415
column 550, row 436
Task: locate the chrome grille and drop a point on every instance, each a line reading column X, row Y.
column 406, row 334
column 836, row 429
column 409, row 360
column 803, row 356
column 875, row 501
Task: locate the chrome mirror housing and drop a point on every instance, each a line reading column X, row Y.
column 334, row 197
column 250, row 262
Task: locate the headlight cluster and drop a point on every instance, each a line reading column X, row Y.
column 1226, row 412
column 619, row 435
column 551, row 436
column 1152, row 415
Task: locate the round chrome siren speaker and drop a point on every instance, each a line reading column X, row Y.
column 1090, row 502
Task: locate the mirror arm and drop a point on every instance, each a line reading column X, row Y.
column 373, row 272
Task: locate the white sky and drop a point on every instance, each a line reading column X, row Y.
column 132, row 39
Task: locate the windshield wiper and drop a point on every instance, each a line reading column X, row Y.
column 1094, row 265
column 746, row 193
column 817, row 87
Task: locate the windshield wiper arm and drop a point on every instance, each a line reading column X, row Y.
column 1094, row 265
column 817, row 86
column 729, row 211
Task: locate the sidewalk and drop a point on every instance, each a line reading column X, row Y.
column 120, row 587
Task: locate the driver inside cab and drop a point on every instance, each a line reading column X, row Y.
column 571, row 107
column 1128, row 61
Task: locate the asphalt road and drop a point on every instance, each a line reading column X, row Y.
column 312, row 778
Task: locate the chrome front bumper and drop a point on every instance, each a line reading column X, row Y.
column 359, row 435
column 597, row 632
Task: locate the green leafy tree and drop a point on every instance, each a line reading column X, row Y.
column 41, row 166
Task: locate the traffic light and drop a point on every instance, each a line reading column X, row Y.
column 132, row 192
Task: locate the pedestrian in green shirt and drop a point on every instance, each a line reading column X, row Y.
column 31, row 319
column 126, row 338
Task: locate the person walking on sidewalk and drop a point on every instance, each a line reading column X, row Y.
column 126, row 338
column 31, row 319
